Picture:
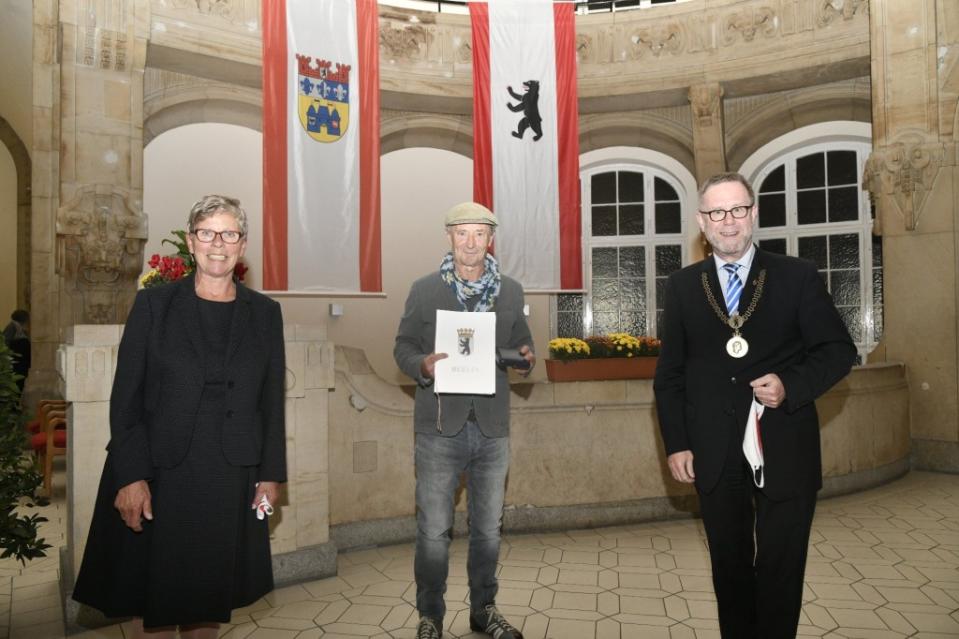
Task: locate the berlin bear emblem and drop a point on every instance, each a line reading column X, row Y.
column 464, row 345
column 529, row 105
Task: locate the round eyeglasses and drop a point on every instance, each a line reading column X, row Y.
column 738, row 213
column 207, row 235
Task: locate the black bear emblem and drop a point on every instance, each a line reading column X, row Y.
column 529, row 105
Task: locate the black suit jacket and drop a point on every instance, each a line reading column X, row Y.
column 703, row 394
column 160, row 376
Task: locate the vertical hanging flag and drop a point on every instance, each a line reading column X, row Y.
column 526, row 138
column 321, row 146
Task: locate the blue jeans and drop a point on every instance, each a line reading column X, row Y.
column 439, row 463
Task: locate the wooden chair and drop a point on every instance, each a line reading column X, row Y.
column 43, row 406
column 50, row 442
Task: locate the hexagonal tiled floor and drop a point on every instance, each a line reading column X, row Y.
column 882, row 563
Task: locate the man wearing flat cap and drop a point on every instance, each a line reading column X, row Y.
column 456, row 434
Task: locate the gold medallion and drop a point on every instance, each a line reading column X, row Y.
column 737, row 346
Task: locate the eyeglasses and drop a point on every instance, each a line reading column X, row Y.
column 738, row 213
column 208, row 235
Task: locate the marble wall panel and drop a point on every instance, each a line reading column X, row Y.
column 920, row 328
column 87, row 437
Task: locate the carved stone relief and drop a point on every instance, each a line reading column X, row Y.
column 221, row 8
column 102, row 48
column 584, row 48
column 410, row 42
column 100, row 239
column 215, row 7
column 705, row 100
column 697, row 28
column 748, row 23
column 905, row 171
column 601, row 45
column 463, row 51
column 657, row 39
column 239, row 12
column 828, row 11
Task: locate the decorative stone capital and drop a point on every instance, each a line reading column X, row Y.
column 904, row 170
column 705, row 100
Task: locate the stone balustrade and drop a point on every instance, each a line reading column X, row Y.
column 582, row 454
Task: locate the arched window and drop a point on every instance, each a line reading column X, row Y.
column 811, row 204
column 634, row 226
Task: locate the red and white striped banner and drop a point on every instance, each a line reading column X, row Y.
column 526, row 138
column 321, row 146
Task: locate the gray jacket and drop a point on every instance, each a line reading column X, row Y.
column 415, row 340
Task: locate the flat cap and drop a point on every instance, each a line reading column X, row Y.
column 470, row 213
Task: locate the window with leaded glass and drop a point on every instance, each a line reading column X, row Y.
column 634, row 221
column 811, row 204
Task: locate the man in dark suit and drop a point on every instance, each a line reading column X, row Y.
column 741, row 326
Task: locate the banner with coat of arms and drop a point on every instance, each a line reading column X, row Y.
column 321, row 183
column 323, row 98
column 526, row 138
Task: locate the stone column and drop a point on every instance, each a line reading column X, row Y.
column 709, row 148
column 45, row 193
column 85, row 364
column 89, row 228
column 913, row 180
column 300, row 537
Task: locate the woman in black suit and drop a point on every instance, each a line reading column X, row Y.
column 197, row 442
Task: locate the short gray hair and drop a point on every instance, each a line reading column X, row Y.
column 722, row 178
column 210, row 205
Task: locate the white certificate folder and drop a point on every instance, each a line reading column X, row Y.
column 469, row 339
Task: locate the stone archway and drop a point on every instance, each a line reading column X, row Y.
column 171, row 100
column 662, row 130
column 750, row 126
column 402, row 130
column 21, row 162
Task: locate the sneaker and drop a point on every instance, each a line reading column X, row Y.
column 490, row 621
column 429, row 628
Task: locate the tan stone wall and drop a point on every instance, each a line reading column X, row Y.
column 576, row 444
column 8, row 240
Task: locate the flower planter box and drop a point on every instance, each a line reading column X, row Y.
column 581, row 370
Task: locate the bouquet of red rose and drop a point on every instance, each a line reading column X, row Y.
column 170, row 268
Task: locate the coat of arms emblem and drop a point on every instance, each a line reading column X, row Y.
column 465, row 341
column 323, row 98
